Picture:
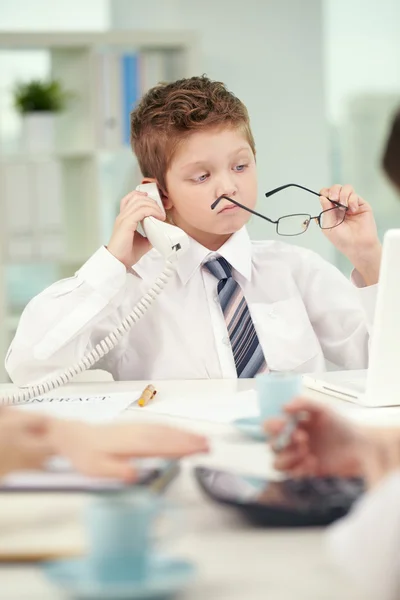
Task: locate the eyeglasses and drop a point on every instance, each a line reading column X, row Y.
column 291, row 225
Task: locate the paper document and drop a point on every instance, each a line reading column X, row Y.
column 249, row 458
column 93, row 409
column 218, row 408
column 70, row 480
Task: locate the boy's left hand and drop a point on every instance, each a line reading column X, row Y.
column 357, row 236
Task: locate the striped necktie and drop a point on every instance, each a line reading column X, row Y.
column 246, row 348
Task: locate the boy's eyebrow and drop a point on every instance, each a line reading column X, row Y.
column 203, row 162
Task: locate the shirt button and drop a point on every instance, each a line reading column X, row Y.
column 226, row 341
column 216, row 299
column 272, row 314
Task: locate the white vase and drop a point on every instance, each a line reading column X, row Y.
column 38, row 132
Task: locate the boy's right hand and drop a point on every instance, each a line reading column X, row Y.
column 126, row 244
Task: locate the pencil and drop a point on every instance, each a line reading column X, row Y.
column 148, row 394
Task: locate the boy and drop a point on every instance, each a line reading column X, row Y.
column 233, row 308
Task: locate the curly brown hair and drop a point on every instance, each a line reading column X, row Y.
column 168, row 113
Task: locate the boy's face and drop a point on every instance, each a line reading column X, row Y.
column 207, row 165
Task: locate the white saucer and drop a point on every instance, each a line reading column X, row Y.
column 165, row 577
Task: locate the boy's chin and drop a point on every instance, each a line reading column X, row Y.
column 229, row 230
column 233, row 227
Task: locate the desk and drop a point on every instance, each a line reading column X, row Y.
column 234, row 561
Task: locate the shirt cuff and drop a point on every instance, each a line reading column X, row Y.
column 104, row 273
column 357, row 279
column 367, row 295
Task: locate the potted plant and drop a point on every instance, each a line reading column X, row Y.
column 38, row 102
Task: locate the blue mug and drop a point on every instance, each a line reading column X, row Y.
column 274, row 390
column 121, row 531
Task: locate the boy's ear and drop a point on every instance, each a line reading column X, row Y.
column 164, row 197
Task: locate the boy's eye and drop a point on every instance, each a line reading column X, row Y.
column 240, row 168
column 201, row 177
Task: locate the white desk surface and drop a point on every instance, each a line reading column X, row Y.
column 234, row 560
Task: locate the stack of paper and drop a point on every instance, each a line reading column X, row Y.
column 222, row 408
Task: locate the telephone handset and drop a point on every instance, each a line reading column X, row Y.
column 171, row 242
column 168, row 239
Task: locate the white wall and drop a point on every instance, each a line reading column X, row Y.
column 268, row 53
column 362, row 49
column 55, row 15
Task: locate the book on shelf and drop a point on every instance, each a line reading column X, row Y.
column 131, row 91
column 17, row 197
column 109, row 100
column 32, row 199
column 122, row 79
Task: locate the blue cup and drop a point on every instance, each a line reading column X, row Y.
column 274, row 390
column 121, row 535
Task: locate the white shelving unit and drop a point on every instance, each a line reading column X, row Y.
column 93, row 174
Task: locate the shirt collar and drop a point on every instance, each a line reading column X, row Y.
column 236, row 250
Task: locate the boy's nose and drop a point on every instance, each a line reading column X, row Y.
column 226, row 190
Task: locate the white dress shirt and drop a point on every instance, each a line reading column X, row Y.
column 304, row 310
column 366, row 543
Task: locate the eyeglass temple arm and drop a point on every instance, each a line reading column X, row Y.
column 253, row 212
column 283, row 187
column 288, row 185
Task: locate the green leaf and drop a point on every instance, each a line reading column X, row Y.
column 37, row 95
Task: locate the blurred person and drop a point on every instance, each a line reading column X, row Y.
column 28, row 441
column 366, row 543
column 391, row 155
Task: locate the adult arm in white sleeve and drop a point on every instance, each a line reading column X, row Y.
column 366, row 543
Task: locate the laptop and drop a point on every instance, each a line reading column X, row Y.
column 380, row 384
